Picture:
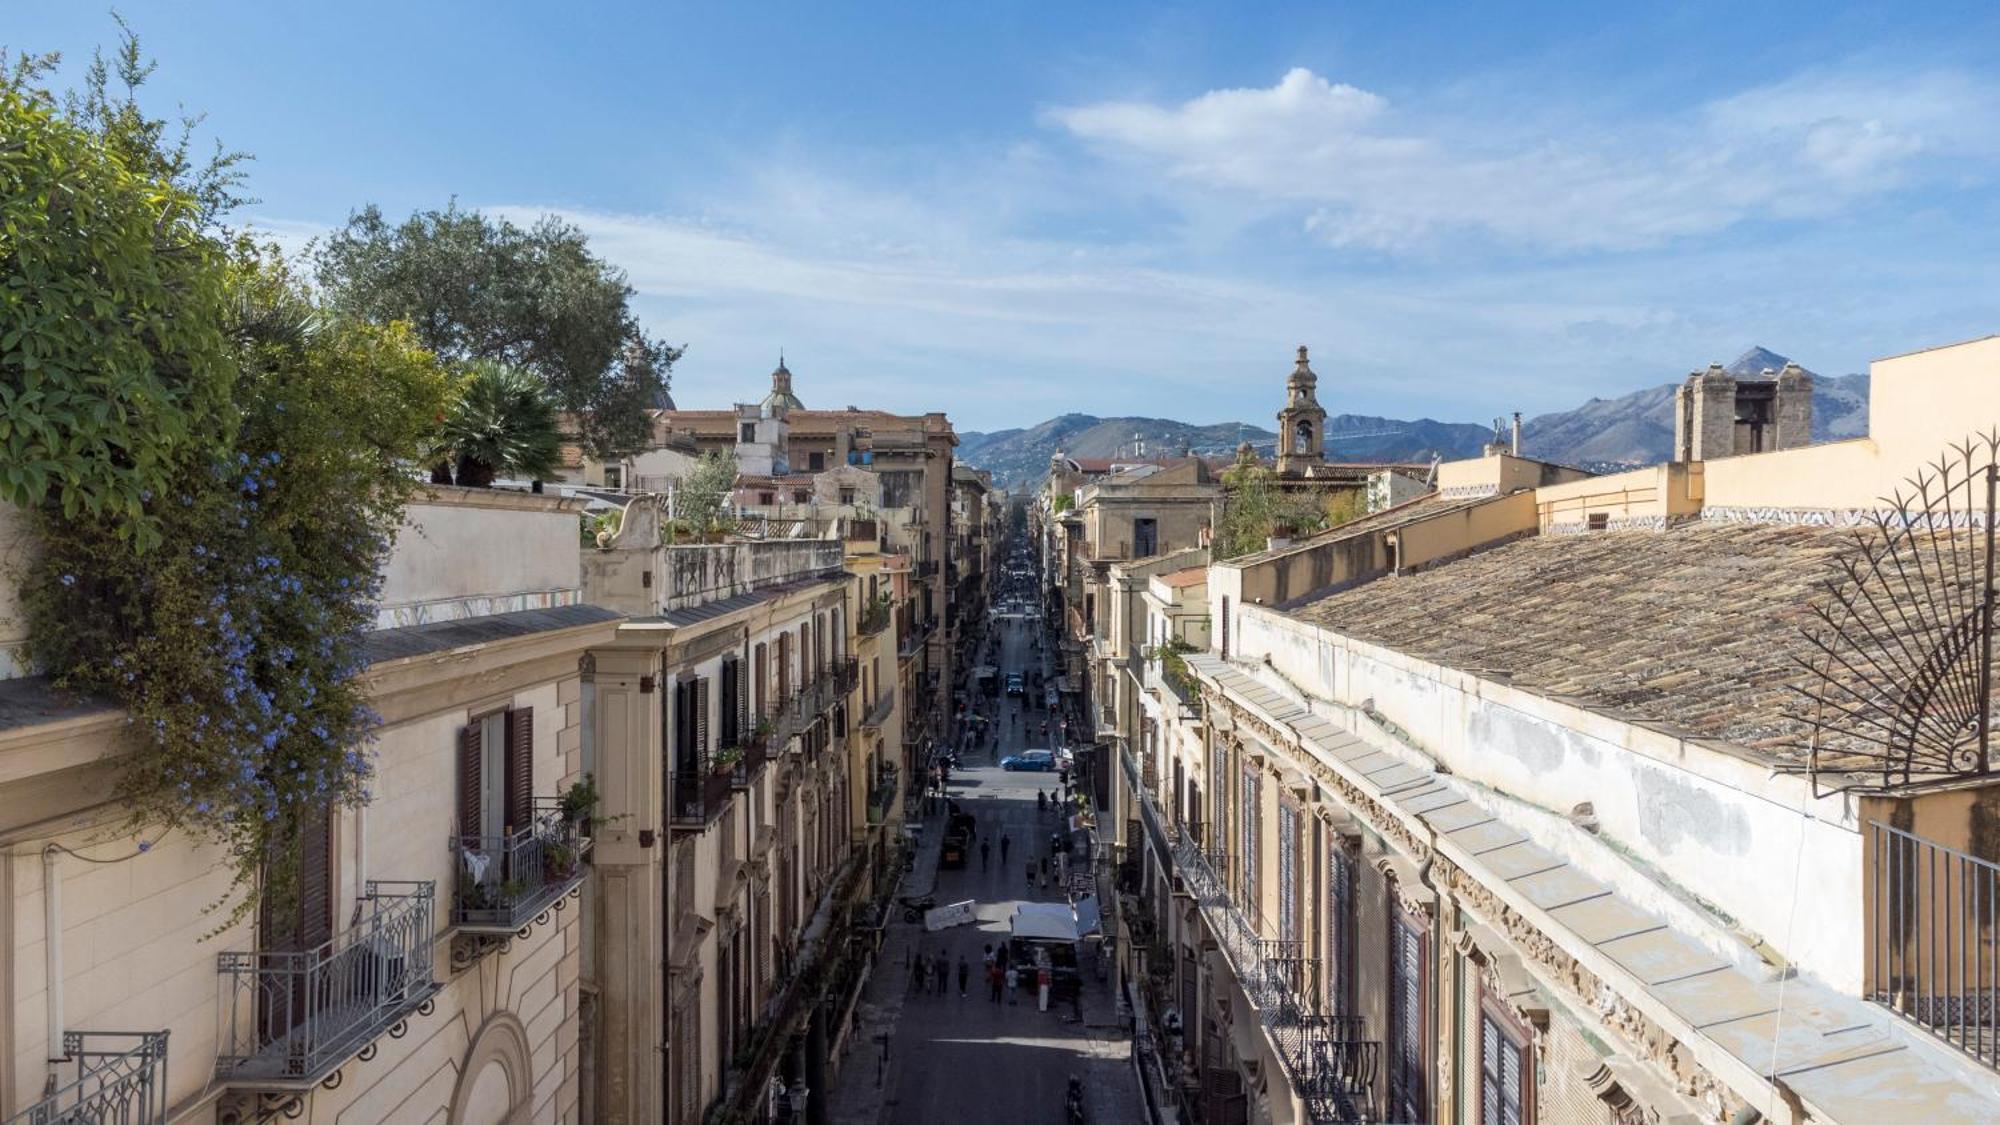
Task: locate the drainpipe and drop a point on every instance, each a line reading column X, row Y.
column 52, row 952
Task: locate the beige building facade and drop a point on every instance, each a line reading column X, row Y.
column 435, row 968
column 1533, row 826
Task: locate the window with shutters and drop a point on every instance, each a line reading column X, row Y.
column 1251, row 823
column 1505, row 1068
column 1288, row 871
column 1340, row 926
column 496, row 785
column 731, row 719
column 1218, row 770
column 1409, row 989
column 784, row 663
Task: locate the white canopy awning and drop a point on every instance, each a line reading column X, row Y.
column 1045, row 921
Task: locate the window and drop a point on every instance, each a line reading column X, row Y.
column 496, row 785
column 1145, row 538
column 1504, row 1066
column 690, row 724
column 1288, row 871
column 614, row 476
column 846, row 494
column 762, row 687
column 1251, row 824
column 1597, row 521
column 732, row 702
column 816, row 461
column 746, row 432
column 1408, row 989
column 767, row 498
column 801, row 496
column 1340, row 926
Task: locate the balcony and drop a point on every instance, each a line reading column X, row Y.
column 1930, row 939
column 876, row 617
column 798, row 712
column 882, row 798
column 504, row 882
column 701, row 792
column 114, row 1076
column 1331, row 1068
column 927, row 569
column 879, row 714
column 296, row 1017
column 1178, row 690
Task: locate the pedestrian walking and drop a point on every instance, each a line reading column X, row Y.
column 984, row 848
column 1013, row 985
column 943, row 974
column 1031, row 873
column 918, row 970
column 1006, row 842
column 995, row 980
column 986, row 957
column 964, row 971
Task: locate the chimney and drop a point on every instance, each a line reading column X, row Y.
column 1517, row 433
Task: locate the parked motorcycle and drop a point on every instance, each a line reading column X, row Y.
column 914, row 907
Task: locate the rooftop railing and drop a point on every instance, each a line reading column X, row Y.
column 504, row 882
column 295, row 1017
column 115, row 1078
column 1934, row 939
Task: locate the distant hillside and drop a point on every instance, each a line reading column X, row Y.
column 1636, row 428
column 1020, row 457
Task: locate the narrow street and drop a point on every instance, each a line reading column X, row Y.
column 964, row 1059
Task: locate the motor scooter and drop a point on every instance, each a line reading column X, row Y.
column 914, row 906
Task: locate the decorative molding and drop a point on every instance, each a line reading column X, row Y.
column 1622, row 523
column 478, row 605
column 1803, row 517
column 1468, row 491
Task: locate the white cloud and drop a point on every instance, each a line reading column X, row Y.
column 1364, row 173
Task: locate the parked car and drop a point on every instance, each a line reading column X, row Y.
column 1014, row 684
column 1033, row 761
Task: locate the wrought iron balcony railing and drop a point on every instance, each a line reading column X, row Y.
column 879, row 713
column 295, row 1017
column 1933, row 957
column 701, row 792
column 504, row 882
column 1330, row 1066
column 115, row 1078
column 876, row 617
column 882, row 798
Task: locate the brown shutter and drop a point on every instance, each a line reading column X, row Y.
column 316, row 878
column 701, row 716
column 520, row 768
column 469, row 751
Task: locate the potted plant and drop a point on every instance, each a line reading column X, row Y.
column 579, row 803
column 561, row 860
column 727, row 757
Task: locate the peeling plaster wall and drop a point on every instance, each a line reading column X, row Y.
column 1717, row 823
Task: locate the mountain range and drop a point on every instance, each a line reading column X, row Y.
column 1604, row 433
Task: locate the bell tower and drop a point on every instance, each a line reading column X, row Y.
column 1302, row 423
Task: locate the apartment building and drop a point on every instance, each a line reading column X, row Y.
column 1656, row 797
column 428, row 965
column 783, row 449
column 722, row 711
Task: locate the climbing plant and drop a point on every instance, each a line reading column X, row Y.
column 218, row 578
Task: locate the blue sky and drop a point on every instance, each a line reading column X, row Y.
column 1013, row 210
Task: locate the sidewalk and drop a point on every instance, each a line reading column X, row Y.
column 863, row 1086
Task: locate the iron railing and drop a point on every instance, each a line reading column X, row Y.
column 1331, row 1067
column 882, row 798
column 504, row 882
column 117, row 1078
column 701, row 792
column 876, row 617
column 294, row 1017
column 1934, row 939
column 879, row 713
column 750, row 755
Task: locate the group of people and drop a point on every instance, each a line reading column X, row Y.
column 933, row 975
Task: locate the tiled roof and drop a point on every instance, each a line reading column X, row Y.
column 1192, row 576
column 1697, row 627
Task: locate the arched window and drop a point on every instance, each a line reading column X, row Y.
column 1302, row 443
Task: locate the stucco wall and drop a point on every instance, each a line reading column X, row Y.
column 462, row 555
column 1755, row 845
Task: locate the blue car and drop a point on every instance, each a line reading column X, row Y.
column 1037, row 761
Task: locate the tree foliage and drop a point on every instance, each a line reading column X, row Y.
column 699, row 498
column 502, row 423
column 474, row 287
column 114, row 366
column 215, row 572
column 1256, row 506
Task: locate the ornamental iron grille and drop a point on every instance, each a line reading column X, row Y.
column 1902, row 687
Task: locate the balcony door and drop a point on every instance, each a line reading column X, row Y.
column 294, row 916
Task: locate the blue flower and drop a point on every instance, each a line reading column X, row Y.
column 145, row 845
column 69, row 579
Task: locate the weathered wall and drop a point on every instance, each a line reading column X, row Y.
column 1737, row 836
column 466, row 552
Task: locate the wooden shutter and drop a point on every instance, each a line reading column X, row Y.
column 701, row 717
column 762, row 671
column 520, row 768
column 731, row 703
column 316, row 878
column 1408, row 997
column 469, row 752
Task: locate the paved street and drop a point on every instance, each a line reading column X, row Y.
column 956, row 1059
